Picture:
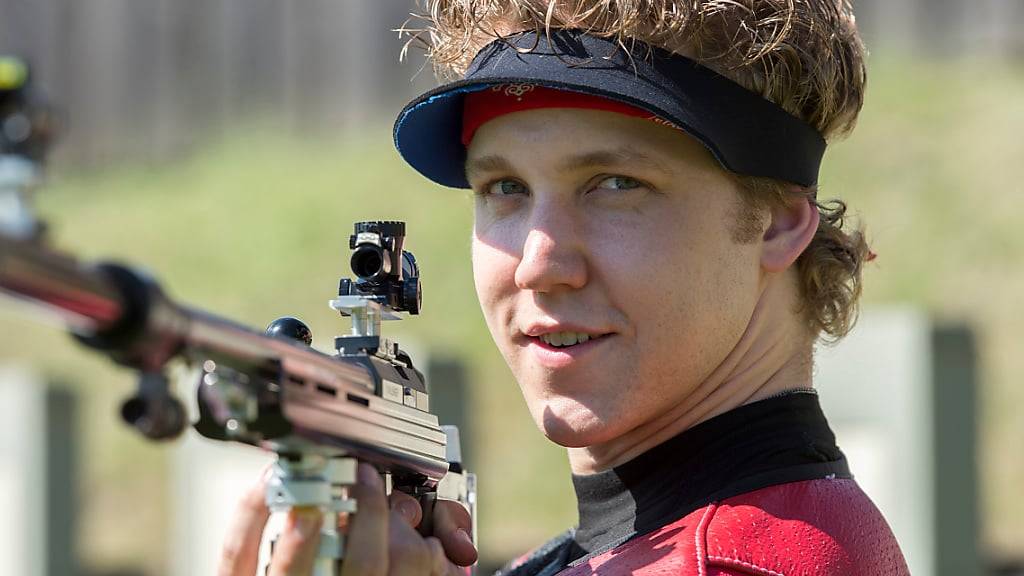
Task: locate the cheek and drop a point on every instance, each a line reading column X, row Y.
column 695, row 298
column 493, row 274
column 710, row 302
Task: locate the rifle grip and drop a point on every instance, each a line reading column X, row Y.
column 427, row 502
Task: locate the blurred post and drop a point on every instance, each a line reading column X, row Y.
column 449, row 399
column 37, row 479
column 955, row 380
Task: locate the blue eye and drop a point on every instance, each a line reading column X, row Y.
column 619, row 183
column 505, row 188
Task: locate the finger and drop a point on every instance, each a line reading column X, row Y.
column 408, row 552
column 366, row 546
column 408, row 507
column 440, row 565
column 452, row 526
column 240, row 552
column 296, row 548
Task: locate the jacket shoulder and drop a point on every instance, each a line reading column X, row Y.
column 811, row 528
column 672, row 550
column 826, row 527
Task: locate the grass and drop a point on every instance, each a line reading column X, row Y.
column 255, row 227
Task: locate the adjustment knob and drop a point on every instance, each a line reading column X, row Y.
column 293, row 328
column 389, row 228
column 412, row 295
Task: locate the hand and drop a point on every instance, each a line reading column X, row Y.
column 382, row 541
column 381, row 538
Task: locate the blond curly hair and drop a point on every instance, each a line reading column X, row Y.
column 804, row 55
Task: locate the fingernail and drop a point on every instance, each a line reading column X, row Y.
column 306, row 523
column 368, row 476
column 407, row 509
column 461, row 534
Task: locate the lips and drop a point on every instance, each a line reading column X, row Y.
column 589, row 342
column 562, row 345
column 567, row 357
column 545, row 329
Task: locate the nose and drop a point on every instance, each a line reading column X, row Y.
column 553, row 257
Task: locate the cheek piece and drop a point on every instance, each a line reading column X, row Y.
column 747, row 134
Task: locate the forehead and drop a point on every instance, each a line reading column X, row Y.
column 575, row 138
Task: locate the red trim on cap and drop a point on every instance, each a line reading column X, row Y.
column 485, row 105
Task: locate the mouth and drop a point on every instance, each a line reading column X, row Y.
column 563, row 349
column 567, row 339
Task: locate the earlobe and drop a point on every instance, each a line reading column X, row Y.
column 791, row 229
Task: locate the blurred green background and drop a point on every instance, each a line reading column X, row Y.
column 251, row 220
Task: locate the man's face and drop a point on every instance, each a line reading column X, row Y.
column 615, row 233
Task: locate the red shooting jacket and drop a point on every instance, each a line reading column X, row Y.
column 811, row 528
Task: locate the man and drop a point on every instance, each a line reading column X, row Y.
column 653, row 264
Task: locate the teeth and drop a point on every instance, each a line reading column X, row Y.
column 560, row 339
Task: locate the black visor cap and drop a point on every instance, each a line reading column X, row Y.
column 747, row 134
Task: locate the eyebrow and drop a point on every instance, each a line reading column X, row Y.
column 622, row 156
column 614, row 157
column 486, row 164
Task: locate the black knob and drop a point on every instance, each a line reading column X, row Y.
column 161, row 418
column 293, row 328
column 412, row 295
column 153, row 411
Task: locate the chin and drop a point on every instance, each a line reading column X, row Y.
column 572, row 425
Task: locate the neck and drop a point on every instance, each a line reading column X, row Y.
column 773, row 355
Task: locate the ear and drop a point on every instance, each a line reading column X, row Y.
column 792, row 228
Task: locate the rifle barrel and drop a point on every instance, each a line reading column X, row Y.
column 329, row 402
column 80, row 295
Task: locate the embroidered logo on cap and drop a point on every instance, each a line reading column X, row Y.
column 517, row 90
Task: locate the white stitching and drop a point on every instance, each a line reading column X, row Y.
column 699, row 539
column 727, row 560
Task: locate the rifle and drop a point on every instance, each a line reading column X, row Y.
column 319, row 413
